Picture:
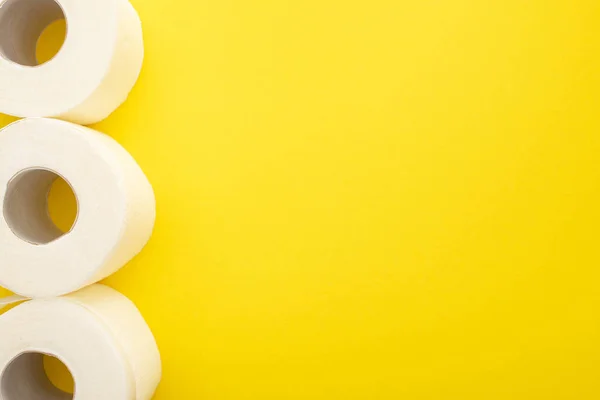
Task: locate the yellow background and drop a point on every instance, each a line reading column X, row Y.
column 370, row 199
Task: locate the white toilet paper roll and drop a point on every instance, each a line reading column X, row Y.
column 97, row 333
column 115, row 216
column 91, row 75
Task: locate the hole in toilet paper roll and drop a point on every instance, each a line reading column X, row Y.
column 26, row 204
column 62, row 205
column 22, row 22
column 51, row 41
column 58, row 373
column 24, row 378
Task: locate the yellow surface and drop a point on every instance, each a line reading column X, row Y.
column 370, row 199
column 58, row 373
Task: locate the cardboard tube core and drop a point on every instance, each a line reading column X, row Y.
column 21, row 24
column 26, row 206
column 24, row 378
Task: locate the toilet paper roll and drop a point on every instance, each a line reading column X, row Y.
column 89, row 77
column 97, row 333
column 115, row 202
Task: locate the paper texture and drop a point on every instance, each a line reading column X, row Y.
column 97, row 333
column 116, row 207
column 89, row 77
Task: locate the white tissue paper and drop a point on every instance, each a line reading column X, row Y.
column 90, row 76
column 98, row 334
column 115, row 201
